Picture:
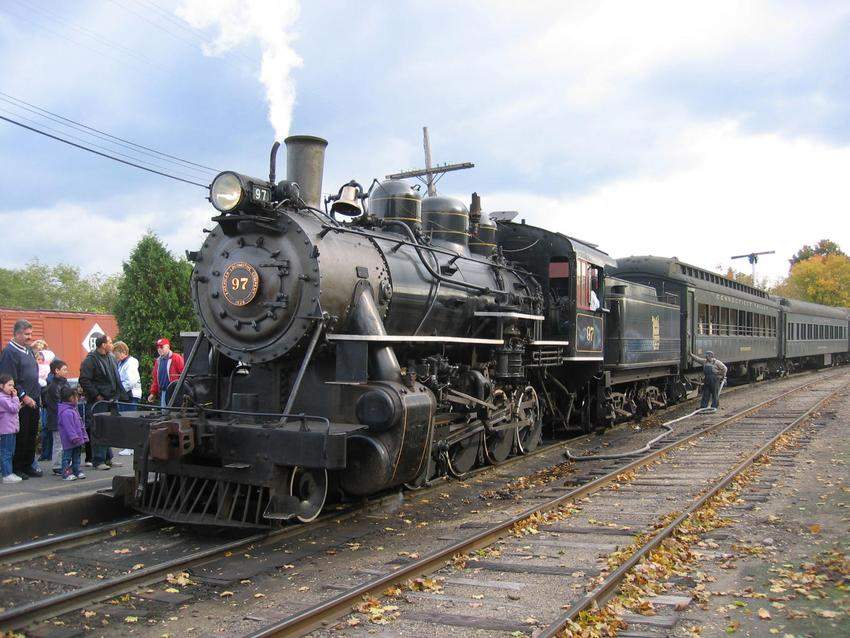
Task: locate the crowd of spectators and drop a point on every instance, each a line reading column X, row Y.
column 35, row 395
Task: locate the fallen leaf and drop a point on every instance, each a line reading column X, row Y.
column 122, row 551
column 137, row 566
column 259, row 595
column 304, row 588
column 172, row 590
column 89, row 614
column 181, row 579
column 764, row 614
column 131, row 619
column 815, row 529
column 225, row 594
column 826, row 613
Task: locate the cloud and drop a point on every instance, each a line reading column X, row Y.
column 738, row 193
column 270, row 23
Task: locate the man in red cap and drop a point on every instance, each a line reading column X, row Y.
column 166, row 369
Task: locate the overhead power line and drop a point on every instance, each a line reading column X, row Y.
column 101, row 51
column 66, row 135
column 109, row 44
column 79, row 125
column 106, row 155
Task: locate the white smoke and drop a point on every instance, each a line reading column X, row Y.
column 270, row 23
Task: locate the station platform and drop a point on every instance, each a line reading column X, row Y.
column 48, row 505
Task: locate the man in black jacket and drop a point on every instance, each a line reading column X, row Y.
column 19, row 362
column 100, row 382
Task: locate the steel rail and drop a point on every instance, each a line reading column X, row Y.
column 22, row 551
column 55, row 605
column 313, row 617
column 608, row 588
column 52, row 606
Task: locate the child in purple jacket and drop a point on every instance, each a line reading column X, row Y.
column 10, row 404
column 72, row 433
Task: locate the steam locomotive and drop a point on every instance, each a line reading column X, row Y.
column 413, row 339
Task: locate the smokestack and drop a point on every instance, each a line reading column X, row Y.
column 305, row 163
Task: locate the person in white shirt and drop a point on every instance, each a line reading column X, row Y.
column 131, row 381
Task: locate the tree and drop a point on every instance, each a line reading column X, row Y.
column 823, row 279
column 153, row 301
column 823, row 248
column 60, row 287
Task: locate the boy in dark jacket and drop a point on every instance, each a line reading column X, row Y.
column 72, row 433
column 51, row 397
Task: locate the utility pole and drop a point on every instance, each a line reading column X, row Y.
column 431, row 174
column 753, row 258
column 426, row 142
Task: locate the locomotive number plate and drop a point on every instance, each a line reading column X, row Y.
column 240, row 283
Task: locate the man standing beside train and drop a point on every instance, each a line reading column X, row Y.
column 166, row 369
column 715, row 373
column 101, row 383
column 18, row 361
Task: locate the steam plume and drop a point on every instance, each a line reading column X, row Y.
column 270, row 23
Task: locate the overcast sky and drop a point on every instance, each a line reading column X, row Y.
column 700, row 130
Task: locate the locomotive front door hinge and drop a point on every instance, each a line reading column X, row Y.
column 282, row 266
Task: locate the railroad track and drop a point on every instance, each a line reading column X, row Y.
column 80, row 591
column 134, row 569
column 684, row 475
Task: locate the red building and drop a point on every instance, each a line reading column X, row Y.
column 68, row 334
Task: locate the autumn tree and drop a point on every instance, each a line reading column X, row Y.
column 823, row 248
column 153, row 301
column 823, row 279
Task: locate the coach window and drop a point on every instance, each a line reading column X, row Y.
column 714, row 320
column 724, row 321
column 702, row 318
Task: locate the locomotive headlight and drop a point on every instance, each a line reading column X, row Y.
column 226, row 192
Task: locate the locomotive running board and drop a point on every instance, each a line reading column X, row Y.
column 412, row 339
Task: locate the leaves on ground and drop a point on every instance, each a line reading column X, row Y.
column 181, row 578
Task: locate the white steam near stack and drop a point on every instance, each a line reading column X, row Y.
column 270, row 22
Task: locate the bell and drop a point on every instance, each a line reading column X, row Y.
column 348, row 202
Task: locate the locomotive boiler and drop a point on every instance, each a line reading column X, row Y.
column 336, row 358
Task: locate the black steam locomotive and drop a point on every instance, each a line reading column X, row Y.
column 415, row 339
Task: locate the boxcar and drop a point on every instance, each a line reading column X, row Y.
column 66, row 333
